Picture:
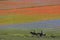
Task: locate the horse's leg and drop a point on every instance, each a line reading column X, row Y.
column 41, row 35
column 32, row 36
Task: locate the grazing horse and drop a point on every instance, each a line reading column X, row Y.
column 38, row 34
column 33, row 33
column 42, row 34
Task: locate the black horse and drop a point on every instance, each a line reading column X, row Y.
column 38, row 34
column 41, row 34
column 34, row 34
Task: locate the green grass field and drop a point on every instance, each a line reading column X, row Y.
column 23, row 34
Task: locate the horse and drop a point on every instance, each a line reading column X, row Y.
column 41, row 34
column 38, row 34
column 33, row 33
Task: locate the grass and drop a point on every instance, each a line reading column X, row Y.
column 19, row 34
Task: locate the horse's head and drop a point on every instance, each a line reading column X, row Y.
column 30, row 32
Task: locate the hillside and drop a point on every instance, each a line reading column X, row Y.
column 24, row 15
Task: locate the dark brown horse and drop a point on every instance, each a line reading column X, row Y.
column 38, row 34
column 41, row 34
column 34, row 34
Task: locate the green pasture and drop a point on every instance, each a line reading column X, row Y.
column 22, row 34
